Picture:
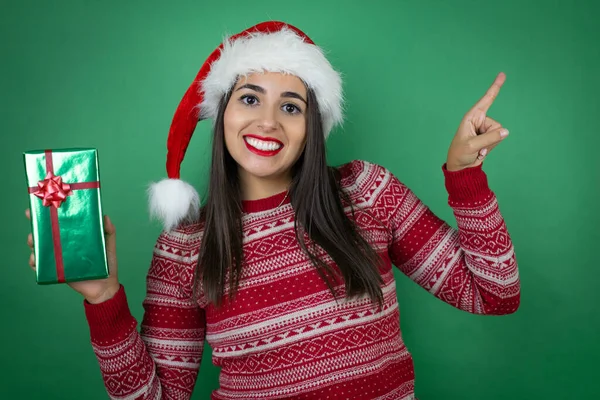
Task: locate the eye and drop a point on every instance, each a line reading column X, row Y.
column 249, row 99
column 292, row 109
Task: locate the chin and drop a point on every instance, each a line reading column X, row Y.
column 265, row 160
column 264, row 167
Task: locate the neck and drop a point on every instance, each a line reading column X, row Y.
column 254, row 188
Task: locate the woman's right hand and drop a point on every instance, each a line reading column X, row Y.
column 96, row 290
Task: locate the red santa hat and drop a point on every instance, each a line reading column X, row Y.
column 269, row 46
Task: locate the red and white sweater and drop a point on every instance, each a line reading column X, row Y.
column 285, row 336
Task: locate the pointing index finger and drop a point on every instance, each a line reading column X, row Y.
column 486, row 101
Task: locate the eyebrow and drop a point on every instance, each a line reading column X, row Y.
column 259, row 89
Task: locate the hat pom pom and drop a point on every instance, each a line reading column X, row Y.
column 173, row 201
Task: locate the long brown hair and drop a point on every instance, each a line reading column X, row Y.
column 318, row 201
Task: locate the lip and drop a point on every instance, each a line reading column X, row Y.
column 263, row 153
column 265, row 139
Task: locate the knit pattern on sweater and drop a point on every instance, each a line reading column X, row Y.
column 285, row 336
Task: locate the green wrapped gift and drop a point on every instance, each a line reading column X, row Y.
column 66, row 215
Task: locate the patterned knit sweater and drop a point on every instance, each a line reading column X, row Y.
column 284, row 335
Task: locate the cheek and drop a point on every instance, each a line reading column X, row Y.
column 232, row 125
column 227, row 132
column 298, row 135
column 228, row 120
column 228, row 140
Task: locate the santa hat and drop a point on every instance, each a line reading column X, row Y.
column 269, row 46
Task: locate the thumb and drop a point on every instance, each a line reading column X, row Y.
column 109, row 228
column 488, row 139
column 110, row 234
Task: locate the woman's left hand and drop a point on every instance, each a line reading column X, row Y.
column 477, row 133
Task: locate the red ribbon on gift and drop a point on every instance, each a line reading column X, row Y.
column 54, row 192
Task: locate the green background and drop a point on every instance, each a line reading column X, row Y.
column 110, row 74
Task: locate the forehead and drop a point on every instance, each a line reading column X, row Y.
column 273, row 81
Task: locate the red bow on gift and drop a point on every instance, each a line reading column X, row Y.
column 52, row 190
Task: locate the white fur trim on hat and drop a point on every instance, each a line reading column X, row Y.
column 281, row 51
column 173, row 201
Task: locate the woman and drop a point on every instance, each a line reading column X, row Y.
column 286, row 271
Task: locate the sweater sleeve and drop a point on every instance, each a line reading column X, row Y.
column 473, row 267
column 163, row 359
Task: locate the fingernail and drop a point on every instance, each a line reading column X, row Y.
column 482, row 154
column 504, row 132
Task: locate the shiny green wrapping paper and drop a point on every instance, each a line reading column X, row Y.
column 68, row 237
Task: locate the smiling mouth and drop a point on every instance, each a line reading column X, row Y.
column 262, row 146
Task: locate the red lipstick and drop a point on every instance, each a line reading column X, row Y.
column 264, row 153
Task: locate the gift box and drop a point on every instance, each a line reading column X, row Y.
column 66, row 215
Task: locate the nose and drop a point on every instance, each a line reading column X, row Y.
column 268, row 119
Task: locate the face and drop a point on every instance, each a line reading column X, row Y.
column 265, row 126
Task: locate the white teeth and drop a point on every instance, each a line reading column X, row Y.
column 262, row 145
